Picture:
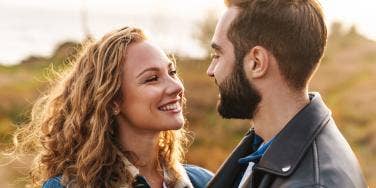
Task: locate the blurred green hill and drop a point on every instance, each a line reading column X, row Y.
column 346, row 79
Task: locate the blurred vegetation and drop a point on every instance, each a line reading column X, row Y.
column 346, row 80
column 205, row 31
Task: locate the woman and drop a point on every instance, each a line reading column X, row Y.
column 113, row 120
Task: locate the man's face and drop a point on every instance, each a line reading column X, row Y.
column 238, row 98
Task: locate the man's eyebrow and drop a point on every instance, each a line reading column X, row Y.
column 146, row 70
column 216, row 47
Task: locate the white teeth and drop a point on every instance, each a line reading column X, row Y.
column 170, row 107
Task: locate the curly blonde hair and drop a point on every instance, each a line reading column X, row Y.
column 73, row 129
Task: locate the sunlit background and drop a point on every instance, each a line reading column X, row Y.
column 35, row 26
column 35, row 34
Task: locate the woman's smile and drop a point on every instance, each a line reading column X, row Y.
column 173, row 106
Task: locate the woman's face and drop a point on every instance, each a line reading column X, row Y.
column 151, row 90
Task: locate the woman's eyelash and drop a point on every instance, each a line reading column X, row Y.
column 155, row 77
column 173, row 72
column 151, row 79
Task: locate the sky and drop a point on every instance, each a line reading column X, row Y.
column 36, row 26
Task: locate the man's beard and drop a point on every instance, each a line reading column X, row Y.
column 239, row 99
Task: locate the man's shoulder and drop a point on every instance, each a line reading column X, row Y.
column 336, row 160
column 330, row 162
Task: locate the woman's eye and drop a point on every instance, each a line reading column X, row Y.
column 173, row 73
column 152, row 79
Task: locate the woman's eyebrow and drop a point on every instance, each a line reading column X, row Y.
column 146, row 70
column 171, row 65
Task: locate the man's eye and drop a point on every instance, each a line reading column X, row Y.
column 152, row 79
column 214, row 56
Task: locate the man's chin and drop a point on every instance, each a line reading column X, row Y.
column 232, row 112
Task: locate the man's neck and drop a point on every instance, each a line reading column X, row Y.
column 275, row 111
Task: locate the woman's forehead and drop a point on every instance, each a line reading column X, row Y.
column 143, row 55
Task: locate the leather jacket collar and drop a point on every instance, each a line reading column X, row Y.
column 289, row 146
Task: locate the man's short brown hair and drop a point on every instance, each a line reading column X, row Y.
column 292, row 30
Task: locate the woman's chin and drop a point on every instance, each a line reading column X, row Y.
column 175, row 126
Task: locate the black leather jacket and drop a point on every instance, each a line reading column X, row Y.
column 309, row 152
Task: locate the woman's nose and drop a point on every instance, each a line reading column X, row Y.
column 175, row 87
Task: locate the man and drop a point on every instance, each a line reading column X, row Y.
column 265, row 53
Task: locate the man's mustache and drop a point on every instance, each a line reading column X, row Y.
column 215, row 81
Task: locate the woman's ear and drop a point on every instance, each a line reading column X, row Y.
column 116, row 108
column 256, row 62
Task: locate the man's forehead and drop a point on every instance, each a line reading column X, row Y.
column 229, row 15
column 223, row 25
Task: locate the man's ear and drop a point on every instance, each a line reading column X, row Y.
column 256, row 62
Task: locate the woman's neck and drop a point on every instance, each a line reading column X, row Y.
column 143, row 148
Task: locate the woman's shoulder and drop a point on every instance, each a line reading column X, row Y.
column 53, row 183
column 199, row 176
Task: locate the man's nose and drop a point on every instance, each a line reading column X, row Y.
column 211, row 69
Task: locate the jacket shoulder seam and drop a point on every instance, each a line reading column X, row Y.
column 315, row 185
column 316, row 162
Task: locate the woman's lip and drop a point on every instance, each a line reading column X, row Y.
column 174, row 110
column 170, row 102
column 171, row 107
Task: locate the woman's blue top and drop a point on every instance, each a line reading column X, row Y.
column 199, row 177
